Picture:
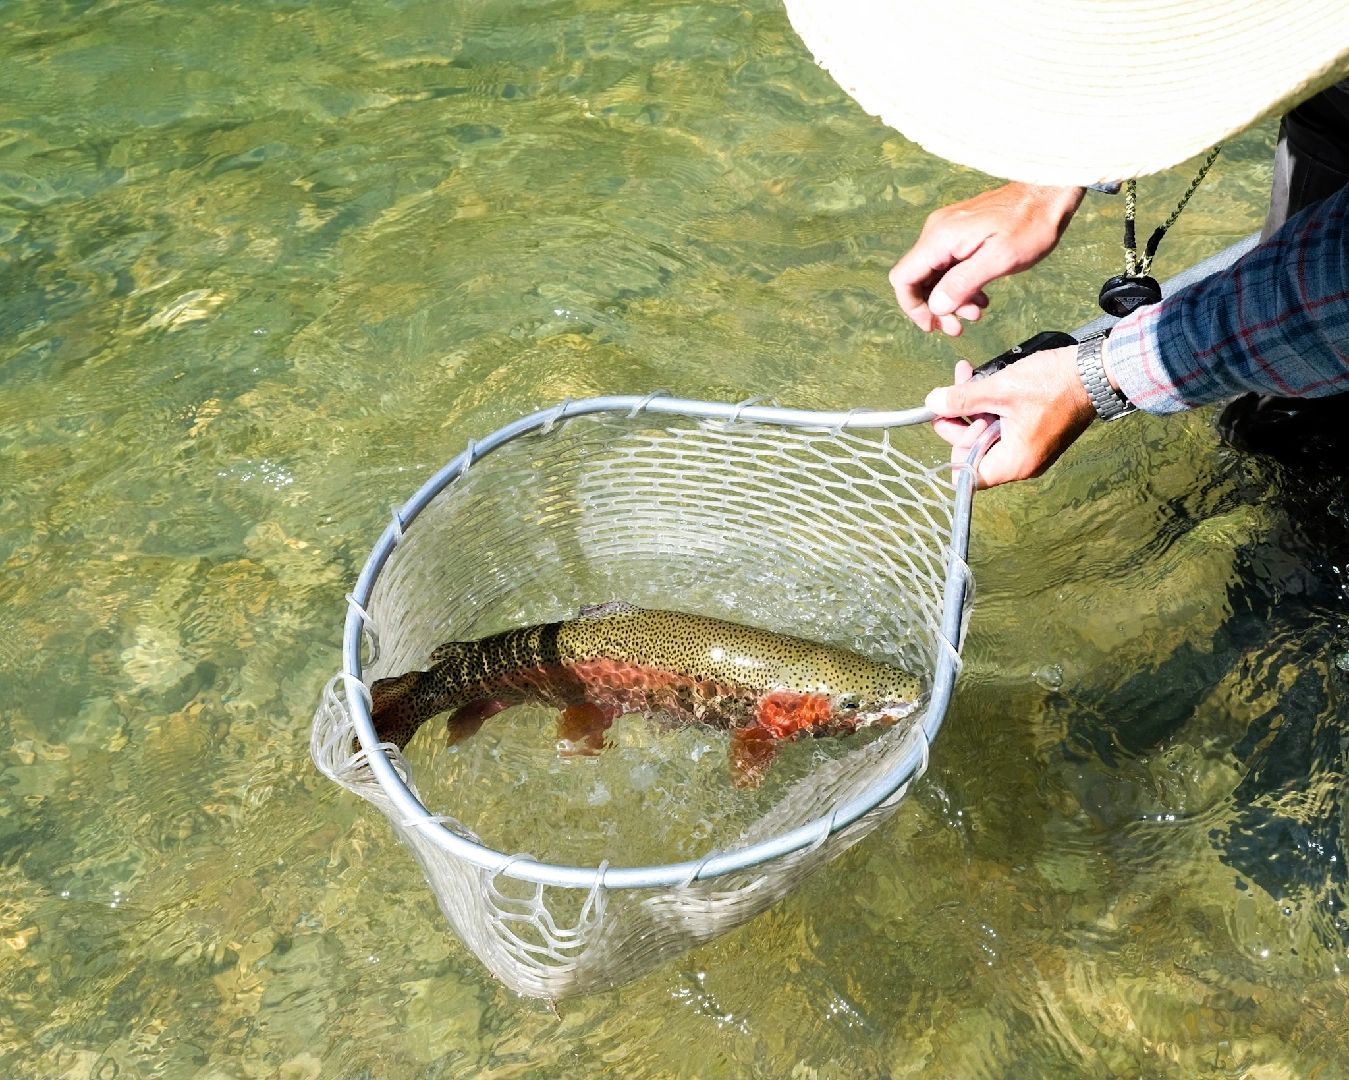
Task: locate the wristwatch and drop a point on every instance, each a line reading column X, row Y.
column 1108, row 402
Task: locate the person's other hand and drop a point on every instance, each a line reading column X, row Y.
column 1040, row 401
column 963, row 247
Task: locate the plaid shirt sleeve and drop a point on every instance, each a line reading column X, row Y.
column 1275, row 322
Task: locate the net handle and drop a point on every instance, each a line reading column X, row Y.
column 411, row 809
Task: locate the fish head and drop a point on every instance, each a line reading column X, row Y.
column 884, row 697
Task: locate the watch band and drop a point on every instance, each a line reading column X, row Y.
column 1108, row 402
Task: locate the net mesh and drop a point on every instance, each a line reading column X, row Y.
column 837, row 536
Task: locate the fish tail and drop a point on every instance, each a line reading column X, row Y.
column 399, row 706
column 477, row 679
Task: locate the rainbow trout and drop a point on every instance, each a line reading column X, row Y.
column 763, row 688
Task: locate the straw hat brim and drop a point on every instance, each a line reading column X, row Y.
column 1075, row 91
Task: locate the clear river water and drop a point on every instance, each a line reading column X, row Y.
column 264, row 267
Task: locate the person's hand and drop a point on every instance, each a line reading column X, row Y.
column 1040, row 401
column 965, row 246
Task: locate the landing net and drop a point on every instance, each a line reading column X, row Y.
column 814, row 524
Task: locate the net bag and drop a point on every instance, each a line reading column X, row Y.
column 814, row 524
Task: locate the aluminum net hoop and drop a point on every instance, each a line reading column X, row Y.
column 391, row 773
column 811, row 523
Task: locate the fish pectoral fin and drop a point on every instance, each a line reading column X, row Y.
column 581, row 728
column 752, row 750
column 785, row 713
column 465, row 720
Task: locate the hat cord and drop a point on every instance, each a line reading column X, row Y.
column 1133, row 265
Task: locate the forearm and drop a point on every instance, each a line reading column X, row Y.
column 1275, row 322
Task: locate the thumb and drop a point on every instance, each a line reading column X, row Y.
column 965, row 399
column 964, row 282
column 946, row 401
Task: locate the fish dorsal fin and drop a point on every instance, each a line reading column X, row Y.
column 603, row 611
column 443, row 652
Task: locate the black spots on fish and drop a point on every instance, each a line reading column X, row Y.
column 397, row 706
column 738, row 663
column 451, row 666
column 703, row 648
column 548, row 653
column 466, row 665
column 459, row 672
column 444, row 652
column 500, row 652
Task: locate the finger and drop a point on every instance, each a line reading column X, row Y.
column 964, row 371
column 969, row 312
column 995, row 468
column 969, row 398
column 943, row 401
column 914, row 304
column 913, row 276
column 950, row 325
column 965, row 280
column 960, row 459
column 960, row 434
column 950, row 430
